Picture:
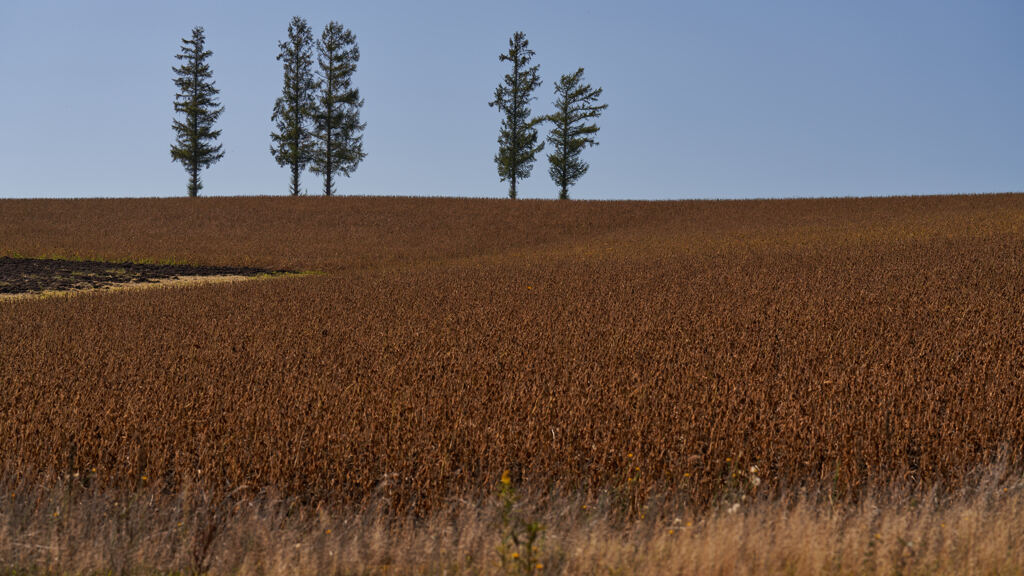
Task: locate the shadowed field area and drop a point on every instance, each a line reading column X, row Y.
column 635, row 352
column 27, row 276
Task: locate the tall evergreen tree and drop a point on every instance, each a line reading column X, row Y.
column 338, row 146
column 576, row 103
column 196, row 100
column 517, row 140
column 292, row 141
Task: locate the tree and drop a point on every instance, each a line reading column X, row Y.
column 338, row 143
column 196, row 100
column 292, row 142
column 517, row 140
column 575, row 104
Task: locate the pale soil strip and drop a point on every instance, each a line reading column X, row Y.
column 124, row 286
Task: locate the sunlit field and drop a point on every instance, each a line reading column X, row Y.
column 489, row 386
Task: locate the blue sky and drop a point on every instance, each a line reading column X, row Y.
column 710, row 99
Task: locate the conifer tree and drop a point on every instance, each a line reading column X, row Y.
column 517, row 140
column 292, row 141
column 338, row 146
column 196, row 100
column 576, row 103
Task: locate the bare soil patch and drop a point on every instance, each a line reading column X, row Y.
column 25, row 277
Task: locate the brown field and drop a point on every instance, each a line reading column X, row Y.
column 644, row 354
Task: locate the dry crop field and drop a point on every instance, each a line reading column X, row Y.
column 664, row 359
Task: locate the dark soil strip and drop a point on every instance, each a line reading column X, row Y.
column 28, row 275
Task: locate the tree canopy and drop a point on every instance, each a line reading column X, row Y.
column 517, row 139
column 292, row 139
column 575, row 104
column 338, row 140
column 196, row 102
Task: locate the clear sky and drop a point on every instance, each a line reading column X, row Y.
column 708, row 99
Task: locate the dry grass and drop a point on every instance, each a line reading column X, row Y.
column 68, row 529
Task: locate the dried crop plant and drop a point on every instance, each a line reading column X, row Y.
column 628, row 349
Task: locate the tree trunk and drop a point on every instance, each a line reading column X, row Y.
column 328, row 151
column 295, row 179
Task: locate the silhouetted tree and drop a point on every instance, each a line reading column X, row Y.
column 196, row 100
column 517, row 140
column 292, row 141
column 338, row 146
column 576, row 103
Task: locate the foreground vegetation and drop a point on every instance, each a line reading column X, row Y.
column 815, row 366
column 65, row 528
